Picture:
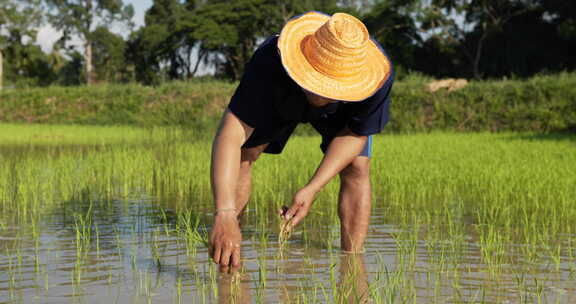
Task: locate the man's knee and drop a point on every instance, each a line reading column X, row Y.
column 357, row 172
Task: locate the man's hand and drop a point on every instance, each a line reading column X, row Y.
column 300, row 206
column 225, row 240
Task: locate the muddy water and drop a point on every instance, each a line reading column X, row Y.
column 131, row 252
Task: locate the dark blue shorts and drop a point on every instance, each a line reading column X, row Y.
column 277, row 139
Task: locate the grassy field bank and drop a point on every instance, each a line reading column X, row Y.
column 451, row 208
column 541, row 104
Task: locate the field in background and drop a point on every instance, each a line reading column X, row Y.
column 123, row 213
column 539, row 104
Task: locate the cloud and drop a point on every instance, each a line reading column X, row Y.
column 47, row 35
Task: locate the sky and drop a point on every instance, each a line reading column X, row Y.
column 47, row 35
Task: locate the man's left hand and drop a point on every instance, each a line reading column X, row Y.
column 300, row 206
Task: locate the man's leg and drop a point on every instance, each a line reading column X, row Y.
column 354, row 204
column 248, row 157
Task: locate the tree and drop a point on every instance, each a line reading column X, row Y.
column 232, row 29
column 18, row 22
column 563, row 16
column 1, row 70
column 167, row 37
column 166, row 46
column 391, row 23
column 178, row 36
column 109, row 49
column 71, row 72
column 82, row 17
column 291, row 8
column 28, row 66
column 468, row 24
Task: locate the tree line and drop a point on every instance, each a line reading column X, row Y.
column 443, row 38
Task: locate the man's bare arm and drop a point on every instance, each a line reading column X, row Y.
column 225, row 237
column 225, row 165
column 341, row 152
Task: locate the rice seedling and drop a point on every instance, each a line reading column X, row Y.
column 464, row 217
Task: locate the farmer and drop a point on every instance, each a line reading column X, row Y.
column 323, row 70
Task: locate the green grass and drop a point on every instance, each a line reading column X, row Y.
column 544, row 103
column 456, row 205
column 61, row 135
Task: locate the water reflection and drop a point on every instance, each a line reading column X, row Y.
column 132, row 250
column 234, row 287
column 352, row 287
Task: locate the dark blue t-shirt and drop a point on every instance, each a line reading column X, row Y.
column 268, row 100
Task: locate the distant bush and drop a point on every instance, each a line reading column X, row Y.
column 177, row 103
column 542, row 104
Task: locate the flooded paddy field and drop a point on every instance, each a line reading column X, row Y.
column 122, row 215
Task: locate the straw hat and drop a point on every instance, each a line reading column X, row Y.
column 333, row 56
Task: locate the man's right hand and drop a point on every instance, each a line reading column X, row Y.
column 225, row 239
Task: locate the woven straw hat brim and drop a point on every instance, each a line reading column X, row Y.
column 354, row 88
